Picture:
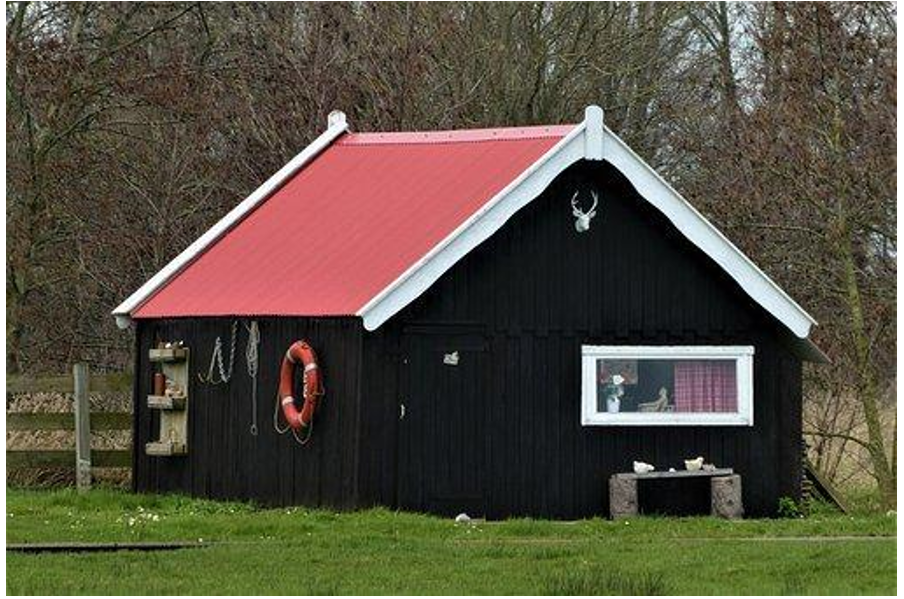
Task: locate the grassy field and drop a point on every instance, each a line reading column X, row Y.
column 298, row 551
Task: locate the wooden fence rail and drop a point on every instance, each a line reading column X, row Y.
column 81, row 421
column 62, row 458
column 53, row 421
column 100, row 383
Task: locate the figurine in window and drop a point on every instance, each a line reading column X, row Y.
column 660, row 405
column 612, row 392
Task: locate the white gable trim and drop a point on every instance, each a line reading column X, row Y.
column 480, row 226
column 706, row 236
column 593, row 141
column 337, row 125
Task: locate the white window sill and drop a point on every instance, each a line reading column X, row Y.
column 669, row 419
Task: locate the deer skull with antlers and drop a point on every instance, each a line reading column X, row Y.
column 582, row 219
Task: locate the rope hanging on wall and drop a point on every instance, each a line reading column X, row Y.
column 282, row 431
column 216, row 359
column 251, row 361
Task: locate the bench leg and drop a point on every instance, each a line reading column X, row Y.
column 622, row 498
column 726, row 497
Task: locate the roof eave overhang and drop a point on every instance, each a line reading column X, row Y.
column 337, row 125
column 589, row 140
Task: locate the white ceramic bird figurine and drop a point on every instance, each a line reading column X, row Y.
column 643, row 467
column 694, row 464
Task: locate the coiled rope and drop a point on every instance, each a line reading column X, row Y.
column 216, row 359
column 252, row 357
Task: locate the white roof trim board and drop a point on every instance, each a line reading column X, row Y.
column 590, row 140
column 337, row 125
column 706, row 236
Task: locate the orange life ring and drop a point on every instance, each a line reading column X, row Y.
column 300, row 353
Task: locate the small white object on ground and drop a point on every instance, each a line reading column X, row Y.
column 462, row 517
column 671, row 469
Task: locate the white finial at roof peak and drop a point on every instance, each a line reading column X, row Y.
column 336, row 117
column 593, row 132
column 593, row 113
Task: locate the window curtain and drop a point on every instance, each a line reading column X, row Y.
column 706, row 386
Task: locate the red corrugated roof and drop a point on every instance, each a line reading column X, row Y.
column 348, row 224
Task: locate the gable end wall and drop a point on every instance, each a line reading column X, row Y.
column 539, row 290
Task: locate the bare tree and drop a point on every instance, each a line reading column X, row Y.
column 804, row 179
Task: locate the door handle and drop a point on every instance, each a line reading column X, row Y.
column 401, row 411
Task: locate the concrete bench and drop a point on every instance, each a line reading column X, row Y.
column 725, row 491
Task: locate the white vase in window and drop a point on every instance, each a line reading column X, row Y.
column 612, row 405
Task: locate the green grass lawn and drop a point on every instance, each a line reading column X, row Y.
column 300, row 551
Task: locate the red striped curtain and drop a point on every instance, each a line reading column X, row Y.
column 706, row 386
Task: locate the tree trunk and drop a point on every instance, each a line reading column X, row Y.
column 726, row 68
column 867, row 386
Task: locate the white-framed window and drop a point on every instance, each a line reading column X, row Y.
column 649, row 385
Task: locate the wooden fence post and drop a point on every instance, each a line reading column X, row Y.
column 82, row 427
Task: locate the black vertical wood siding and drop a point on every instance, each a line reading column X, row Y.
column 224, row 460
column 541, row 290
column 537, row 290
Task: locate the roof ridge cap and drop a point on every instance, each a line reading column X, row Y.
column 484, row 134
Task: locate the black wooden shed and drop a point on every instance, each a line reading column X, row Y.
column 503, row 319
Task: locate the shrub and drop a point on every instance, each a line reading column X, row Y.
column 788, row 508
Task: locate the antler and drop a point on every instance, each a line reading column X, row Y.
column 574, row 204
column 576, row 210
column 596, row 200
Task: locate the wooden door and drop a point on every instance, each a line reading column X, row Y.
column 443, row 421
